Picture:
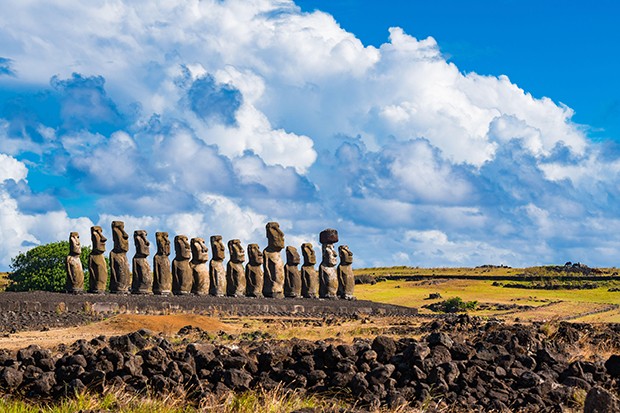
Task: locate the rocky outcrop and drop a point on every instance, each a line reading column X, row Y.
column 496, row 368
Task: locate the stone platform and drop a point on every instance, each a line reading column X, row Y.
column 39, row 301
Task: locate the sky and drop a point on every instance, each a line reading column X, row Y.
column 438, row 133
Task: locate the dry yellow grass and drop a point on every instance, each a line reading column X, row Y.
column 570, row 303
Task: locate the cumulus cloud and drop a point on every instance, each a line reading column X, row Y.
column 212, row 116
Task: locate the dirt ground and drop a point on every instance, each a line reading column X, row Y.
column 121, row 324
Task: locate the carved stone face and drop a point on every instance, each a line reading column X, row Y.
column 200, row 252
column 141, row 242
column 98, row 240
column 181, row 247
column 346, row 256
column 120, row 237
column 236, row 251
column 292, row 256
column 330, row 258
column 217, row 246
column 255, row 255
column 308, row 252
column 75, row 248
column 163, row 243
column 275, row 236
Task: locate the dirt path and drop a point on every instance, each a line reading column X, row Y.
column 121, row 324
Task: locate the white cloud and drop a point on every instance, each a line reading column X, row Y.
column 303, row 124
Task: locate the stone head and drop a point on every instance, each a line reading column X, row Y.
column 275, row 236
column 120, row 237
column 181, row 247
column 217, row 247
column 330, row 258
column 346, row 256
column 200, row 252
column 308, row 252
column 98, row 240
column 141, row 242
column 237, row 254
column 292, row 256
column 163, row 243
column 255, row 256
column 75, row 248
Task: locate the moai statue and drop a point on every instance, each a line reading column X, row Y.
column 328, row 277
column 309, row 276
column 182, row 278
column 235, row 274
column 162, row 276
column 254, row 272
column 142, row 278
column 120, row 280
column 75, row 272
column 346, row 280
column 97, row 266
column 292, row 277
column 200, row 273
column 273, row 266
column 217, row 272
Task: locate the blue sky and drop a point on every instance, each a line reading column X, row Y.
column 428, row 133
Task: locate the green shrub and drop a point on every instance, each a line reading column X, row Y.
column 457, row 305
column 43, row 268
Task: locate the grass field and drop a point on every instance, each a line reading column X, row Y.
column 478, row 271
column 548, row 304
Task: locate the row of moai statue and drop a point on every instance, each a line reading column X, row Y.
column 265, row 274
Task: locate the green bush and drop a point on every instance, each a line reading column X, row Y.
column 43, row 268
column 457, row 305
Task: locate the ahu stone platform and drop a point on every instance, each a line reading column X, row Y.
column 40, row 301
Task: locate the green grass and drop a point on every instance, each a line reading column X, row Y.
column 540, row 271
column 4, row 280
column 276, row 401
column 414, row 294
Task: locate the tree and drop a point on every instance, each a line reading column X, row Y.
column 43, row 268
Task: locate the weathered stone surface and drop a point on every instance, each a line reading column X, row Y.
column 120, row 274
column 612, row 365
column 235, row 273
column 328, row 276
column 142, row 278
column 217, row 272
column 346, row 279
column 328, row 236
column 600, row 400
column 162, row 274
column 292, row 276
column 75, row 272
column 309, row 275
column 200, row 273
column 254, row 272
column 182, row 277
column 273, row 267
column 97, row 265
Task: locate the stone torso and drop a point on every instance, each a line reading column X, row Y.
column 346, row 279
column 75, row 274
column 97, row 266
column 120, row 274
column 142, row 278
column 200, row 273
column 217, row 275
column 182, row 277
column 254, row 272
column 217, row 271
column 310, row 281
column 292, row 276
column 162, row 275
